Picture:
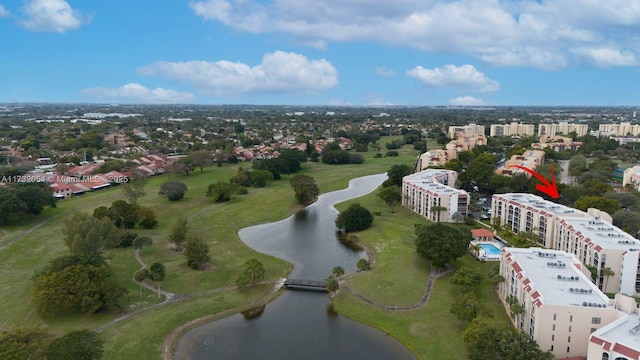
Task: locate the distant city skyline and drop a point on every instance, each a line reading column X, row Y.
column 322, row 52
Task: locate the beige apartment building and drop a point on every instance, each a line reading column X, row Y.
column 530, row 159
column 431, row 193
column 466, row 143
column 513, row 129
column 632, row 177
column 465, row 130
column 622, row 129
column 619, row 340
column 562, row 307
column 563, row 127
column 434, row 158
column 589, row 236
column 556, row 143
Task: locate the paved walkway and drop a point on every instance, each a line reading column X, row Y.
column 423, row 301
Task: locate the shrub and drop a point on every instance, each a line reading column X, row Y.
column 363, row 265
column 377, row 155
column 391, row 153
column 173, row 190
column 355, row 218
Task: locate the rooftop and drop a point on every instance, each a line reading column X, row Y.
column 624, row 331
column 604, row 234
column 556, row 276
column 538, row 203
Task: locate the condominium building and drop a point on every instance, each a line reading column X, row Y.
column 632, row 177
column 466, row 142
column 619, row 340
column 530, row 159
column 471, row 129
column 434, row 158
column 431, row 194
column 561, row 306
column 513, row 129
column 563, row 127
column 589, row 236
column 622, row 129
column 556, row 143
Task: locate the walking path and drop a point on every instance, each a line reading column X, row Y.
column 29, row 231
column 423, row 301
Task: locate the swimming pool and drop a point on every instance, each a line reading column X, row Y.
column 490, row 249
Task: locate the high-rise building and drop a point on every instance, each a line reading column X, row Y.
column 431, row 193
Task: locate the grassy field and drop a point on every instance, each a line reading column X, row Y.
column 399, row 278
column 37, row 241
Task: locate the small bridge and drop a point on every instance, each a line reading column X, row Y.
column 299, row 284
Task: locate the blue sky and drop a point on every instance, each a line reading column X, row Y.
column 321, row 52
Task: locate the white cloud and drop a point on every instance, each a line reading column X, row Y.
column 504, row 33
column 606, row 57
column 375, row 100
column 380, row 71
column 467, row 101
column 462, row 78
column 279, row 72
column 52, row 15
column 134, row 92
column 4, row 12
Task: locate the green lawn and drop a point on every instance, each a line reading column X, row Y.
column 216, row 223
column 399, row 278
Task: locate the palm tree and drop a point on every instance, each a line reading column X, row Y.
column 607, row 272
column 438, row 209
column 475, row 248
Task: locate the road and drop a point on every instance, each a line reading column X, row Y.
column 564, row 177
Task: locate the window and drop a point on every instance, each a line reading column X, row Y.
column 554, row 327
column 554, row 317
column 553, row 337
column 551, row 348
column 568, row 349
column 570, row 318
column 595, row 320
column 605, row 356
column 569, row 328
column 569, row 339
column 593, row 329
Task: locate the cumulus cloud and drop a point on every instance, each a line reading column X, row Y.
column 380, row 71
column 4, row 12
column 134, row 92
column 467, row 101
column 375, row 100
column 279, row 72
column 52, row 15
column 606, row 57
column 504, row 33
column 462, row 78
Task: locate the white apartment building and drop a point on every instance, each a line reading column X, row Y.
column 589, row 236
column 563, row 127
column 562, row 307
column 530, row 159
column 513, row 129
column 471, row 129
column 619, row 340
column 632, row 177
column 431, row 194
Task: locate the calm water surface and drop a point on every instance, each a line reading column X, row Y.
column 298, row 324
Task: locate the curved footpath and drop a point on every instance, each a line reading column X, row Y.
column 423, row 301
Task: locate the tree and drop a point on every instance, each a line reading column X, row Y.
column 514, row 305
column 140, row 276
column 355, row 218
column 124, row 214
column 253, row 271
column 457, row 217
column 11, row 207
column 259, row 178
column 337, row 271
column 609, row 206
column 147, row 217
column 84, row 234
column 35, row 197
column 466, row 277
column 495, row 276
column 183, row 166
column 76, row 345
column 332, row 284
column 391, row 195
column 363, row 265
column 79, row 287
column 628, row 221
column 607, row 272
column 222, row 191
column 142, row 241
column 133, row 189
column 438, row 209
column 490, row 338
column 196, row 252
column 24, row 343
column 475, row 249
column 157, row 273
column 179, row 231
column 441, row 244
column 396, row 173
column 173, row 190
column 468, row 306
column 201, row 158
column 305, row 188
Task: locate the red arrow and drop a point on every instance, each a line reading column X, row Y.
column 550, row 189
